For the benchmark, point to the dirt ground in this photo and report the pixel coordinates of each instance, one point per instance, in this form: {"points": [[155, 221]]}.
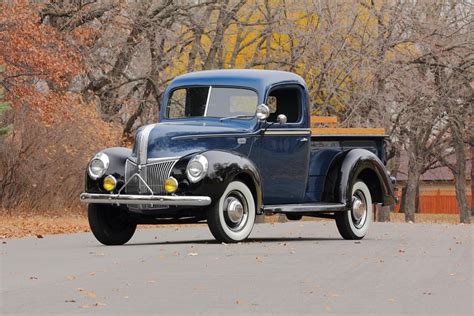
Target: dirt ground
{"points": [[22, 223]]}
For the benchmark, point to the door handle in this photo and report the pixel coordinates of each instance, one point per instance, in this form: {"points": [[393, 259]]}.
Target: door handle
{"points": [[304, 139]]}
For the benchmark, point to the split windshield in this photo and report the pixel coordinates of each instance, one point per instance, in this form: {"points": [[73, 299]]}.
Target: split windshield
{"points": [[210, 101]]}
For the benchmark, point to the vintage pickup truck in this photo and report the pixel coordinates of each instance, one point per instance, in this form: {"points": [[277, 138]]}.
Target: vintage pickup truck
{"points": [[232, 145]]}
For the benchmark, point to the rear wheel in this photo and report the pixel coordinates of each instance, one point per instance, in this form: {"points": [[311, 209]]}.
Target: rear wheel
{"points": [[355, 223], [231, 219], [110, 225]]}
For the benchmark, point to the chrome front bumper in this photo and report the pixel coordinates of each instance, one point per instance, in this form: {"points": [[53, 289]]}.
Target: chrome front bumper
{"points": [[145, 199]]}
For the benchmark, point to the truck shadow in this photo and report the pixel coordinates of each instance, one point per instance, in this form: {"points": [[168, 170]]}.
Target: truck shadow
{"points": [[248, 241]]}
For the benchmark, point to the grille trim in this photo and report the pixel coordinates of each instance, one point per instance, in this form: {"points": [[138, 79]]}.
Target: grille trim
{"points": [[153, 173]]}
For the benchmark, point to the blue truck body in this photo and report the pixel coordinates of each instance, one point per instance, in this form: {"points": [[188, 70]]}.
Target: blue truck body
{"points": [[286, 169]]}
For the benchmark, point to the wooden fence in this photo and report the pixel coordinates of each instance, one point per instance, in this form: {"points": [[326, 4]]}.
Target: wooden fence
{"points": [[437, 202]]}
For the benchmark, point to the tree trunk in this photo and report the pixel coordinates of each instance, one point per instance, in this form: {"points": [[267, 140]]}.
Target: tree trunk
{"points": [[459, 172], [383, 213], [411, 189], [472, 179], [403, 197]]}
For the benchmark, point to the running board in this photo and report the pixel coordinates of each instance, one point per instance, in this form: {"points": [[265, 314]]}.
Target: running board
{"points": [[305, 208]]}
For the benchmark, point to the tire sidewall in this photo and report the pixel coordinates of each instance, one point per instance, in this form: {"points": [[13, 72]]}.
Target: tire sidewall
{"points": [[361, 232], [103, 231], [247, 229]]}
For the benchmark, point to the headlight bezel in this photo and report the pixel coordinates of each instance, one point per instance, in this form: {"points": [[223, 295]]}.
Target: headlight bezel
{"points": [[196, 161], [104, 159]]}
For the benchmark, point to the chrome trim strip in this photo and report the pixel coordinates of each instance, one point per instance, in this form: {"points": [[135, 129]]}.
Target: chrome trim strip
{"points": [[274, 131], [154, 160], [305, 208], [215, 135], [288, 132], [142, 152], [145, 199], [207, 101]]}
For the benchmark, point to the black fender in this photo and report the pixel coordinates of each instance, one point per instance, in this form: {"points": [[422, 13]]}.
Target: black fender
{"points": [[117, 157], [358, 164], [224, 167]]}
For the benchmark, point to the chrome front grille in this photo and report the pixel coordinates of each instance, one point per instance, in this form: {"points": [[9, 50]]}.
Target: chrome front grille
{"points": [[153, 173]]}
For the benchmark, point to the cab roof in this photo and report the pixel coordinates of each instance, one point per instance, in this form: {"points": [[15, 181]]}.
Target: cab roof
{"points": [[259, 80]]}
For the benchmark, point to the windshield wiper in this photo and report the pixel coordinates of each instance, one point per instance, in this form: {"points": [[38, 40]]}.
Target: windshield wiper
{"points": [[235, 116]]}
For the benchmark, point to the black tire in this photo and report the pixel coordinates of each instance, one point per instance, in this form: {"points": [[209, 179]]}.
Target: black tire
{"points": [[354, 224], [231, 226], [294, 217], [110, 225]]}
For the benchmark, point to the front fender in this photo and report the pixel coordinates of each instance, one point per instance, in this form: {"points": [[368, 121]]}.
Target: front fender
{"points": [[117, 158], [354, 165], [224, 167]]}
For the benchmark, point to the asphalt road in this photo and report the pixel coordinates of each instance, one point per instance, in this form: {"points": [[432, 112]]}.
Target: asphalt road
{"points": [[291, 268]]}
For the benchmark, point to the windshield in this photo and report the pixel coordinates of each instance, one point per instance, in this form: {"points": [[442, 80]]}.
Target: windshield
{"points": [[212, 102]]}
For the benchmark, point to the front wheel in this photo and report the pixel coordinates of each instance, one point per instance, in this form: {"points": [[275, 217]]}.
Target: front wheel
{"points": [[231, 219], [355, 223], [110, 225]]}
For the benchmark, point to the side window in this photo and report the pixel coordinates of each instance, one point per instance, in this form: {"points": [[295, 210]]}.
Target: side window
{"points": [[285, 101], [177, 104], [272, 103]]}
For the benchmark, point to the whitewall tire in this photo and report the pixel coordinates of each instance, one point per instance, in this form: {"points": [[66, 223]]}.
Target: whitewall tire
{"points": [[354, 224], [232, 217]]}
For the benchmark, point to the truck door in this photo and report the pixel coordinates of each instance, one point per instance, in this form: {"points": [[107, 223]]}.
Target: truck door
{"points": [[285, 148]]}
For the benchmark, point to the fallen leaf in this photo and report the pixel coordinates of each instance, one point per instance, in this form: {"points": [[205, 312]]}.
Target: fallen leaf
{"points": [[192, 254], [238, 302]]}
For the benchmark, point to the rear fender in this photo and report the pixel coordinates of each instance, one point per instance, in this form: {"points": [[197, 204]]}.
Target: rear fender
{"points": [[351, 166]]}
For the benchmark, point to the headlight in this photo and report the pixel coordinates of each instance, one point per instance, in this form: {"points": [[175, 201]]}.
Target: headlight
{"points": [[98, 166], [197, 168]]}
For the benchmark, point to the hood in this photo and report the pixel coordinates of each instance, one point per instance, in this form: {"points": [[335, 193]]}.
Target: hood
{"points": [[180, 138]]}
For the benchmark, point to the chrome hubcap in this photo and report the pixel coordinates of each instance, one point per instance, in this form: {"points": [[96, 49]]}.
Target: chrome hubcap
{"points": [[359, 209], [235, 211]]}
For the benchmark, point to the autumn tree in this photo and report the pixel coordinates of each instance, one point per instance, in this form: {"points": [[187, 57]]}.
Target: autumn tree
{"points": [[52, 131]]}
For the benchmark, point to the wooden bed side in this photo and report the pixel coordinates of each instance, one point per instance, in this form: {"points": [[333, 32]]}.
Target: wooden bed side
{"points": [[331, 122], [346, 131]]}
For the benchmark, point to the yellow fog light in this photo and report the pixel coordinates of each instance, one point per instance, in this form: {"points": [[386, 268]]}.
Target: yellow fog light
{"points": [[110, 183], [171, 185]]}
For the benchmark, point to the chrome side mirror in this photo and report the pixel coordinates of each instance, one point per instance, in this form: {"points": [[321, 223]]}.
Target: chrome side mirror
{"points": [[282, 119], [263, 112]]}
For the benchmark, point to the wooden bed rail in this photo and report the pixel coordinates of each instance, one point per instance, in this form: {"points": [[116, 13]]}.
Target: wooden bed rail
{"points": [[318, 123]]}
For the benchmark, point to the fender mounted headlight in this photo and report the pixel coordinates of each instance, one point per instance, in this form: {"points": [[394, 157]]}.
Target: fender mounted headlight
{"points": [[197, 168], [98, 166]]}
